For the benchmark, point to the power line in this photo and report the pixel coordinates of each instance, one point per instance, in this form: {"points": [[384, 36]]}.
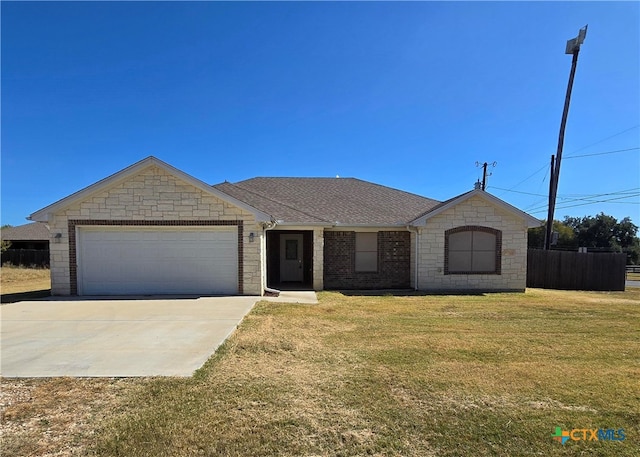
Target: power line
{"points": [[569, 200], [516, 191], [596, 201], [633, 190], [585, 155], [601, 153], [537, 208], [570, 196], [589, 199], [536, 204], [530, 176], [605, 139], [581, 204], [541, 209], [544, 177]]}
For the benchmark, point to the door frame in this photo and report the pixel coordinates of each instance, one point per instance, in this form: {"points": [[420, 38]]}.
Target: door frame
{"points": [[273, 259]]}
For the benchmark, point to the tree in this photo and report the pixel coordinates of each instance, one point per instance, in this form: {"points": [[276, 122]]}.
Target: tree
{"points": [[4, 244], [603, 231], [566, 237]]}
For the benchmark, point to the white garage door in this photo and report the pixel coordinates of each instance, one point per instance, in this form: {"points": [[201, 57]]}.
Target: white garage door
{"points": [[157, 260]]}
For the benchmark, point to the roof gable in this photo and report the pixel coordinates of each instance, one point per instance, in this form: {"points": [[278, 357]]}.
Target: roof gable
{"points": [[42, 215], [422, 220]]}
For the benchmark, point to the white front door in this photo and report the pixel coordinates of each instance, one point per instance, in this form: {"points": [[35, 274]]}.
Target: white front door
{"points": [[291, 258]]}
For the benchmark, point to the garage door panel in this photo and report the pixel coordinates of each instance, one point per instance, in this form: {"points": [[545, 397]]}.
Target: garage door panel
{"points": [[162, 261]]}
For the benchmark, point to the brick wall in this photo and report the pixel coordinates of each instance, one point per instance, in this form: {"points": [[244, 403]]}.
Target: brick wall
{"points": [[153, 197], [394, 262]]}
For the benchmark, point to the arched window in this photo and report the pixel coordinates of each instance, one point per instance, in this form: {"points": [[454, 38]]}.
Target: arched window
{"points": [[472, 250]]}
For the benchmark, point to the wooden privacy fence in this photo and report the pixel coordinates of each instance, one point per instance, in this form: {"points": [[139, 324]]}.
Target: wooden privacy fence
{"points": [[575, 271], [26, 257]]}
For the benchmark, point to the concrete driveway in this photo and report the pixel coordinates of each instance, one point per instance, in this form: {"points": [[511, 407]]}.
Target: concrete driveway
{"points": [[115, 337]]}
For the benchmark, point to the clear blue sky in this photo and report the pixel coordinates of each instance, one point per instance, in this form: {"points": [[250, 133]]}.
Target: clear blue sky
{"points": [[409, 95]]}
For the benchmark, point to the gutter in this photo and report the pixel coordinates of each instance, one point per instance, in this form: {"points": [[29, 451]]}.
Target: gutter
{"points": [[348, 225], [304, 224]]}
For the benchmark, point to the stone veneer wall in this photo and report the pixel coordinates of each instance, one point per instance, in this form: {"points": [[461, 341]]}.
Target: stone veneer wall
{"points": [[394, 257], [473, 212], [318, 259], [153, 197]]}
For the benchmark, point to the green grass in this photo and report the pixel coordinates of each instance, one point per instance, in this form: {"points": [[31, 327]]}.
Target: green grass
{"points": [[419, 375]]}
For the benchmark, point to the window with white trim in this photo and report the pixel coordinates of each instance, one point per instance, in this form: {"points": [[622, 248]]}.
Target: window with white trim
{"points": [[366, 251], [473, 250]]}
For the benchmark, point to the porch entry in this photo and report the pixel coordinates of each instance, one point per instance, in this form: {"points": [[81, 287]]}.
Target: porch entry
{"points": [[290, 259]]}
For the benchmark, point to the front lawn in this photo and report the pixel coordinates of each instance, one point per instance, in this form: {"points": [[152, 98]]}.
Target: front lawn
{"points": [[633, 276], [391, 375], [22, 279]]}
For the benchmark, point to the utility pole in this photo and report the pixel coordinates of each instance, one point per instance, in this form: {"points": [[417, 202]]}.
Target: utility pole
{"points": [[573, 47], [484, 172], [549, 227]]}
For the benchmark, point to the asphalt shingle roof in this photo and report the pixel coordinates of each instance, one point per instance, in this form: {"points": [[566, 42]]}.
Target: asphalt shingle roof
{"points": [[35, 231], [329, 200], [441, 204]]}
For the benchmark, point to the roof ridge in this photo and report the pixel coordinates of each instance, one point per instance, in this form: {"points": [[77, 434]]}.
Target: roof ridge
{"points": [[364, 200], [277, 201], [299, 177], [397, 190], [347, 177]]}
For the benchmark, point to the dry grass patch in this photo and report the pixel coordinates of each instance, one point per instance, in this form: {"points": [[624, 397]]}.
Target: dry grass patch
{"points": [[355, 375], [21, 279], [55, 417], [434, 375]]}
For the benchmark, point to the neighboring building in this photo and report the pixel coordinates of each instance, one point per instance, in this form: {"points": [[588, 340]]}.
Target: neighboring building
{"points": [[153, 229], [28, 236], [29, 245]]}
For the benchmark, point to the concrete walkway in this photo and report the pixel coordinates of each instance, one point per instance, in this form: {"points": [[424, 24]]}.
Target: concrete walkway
{"points": [[118, 337], [303, 297]]}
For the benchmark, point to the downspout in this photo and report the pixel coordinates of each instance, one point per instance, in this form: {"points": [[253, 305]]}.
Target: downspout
{"points": [[417, 250], [266, 226]]}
